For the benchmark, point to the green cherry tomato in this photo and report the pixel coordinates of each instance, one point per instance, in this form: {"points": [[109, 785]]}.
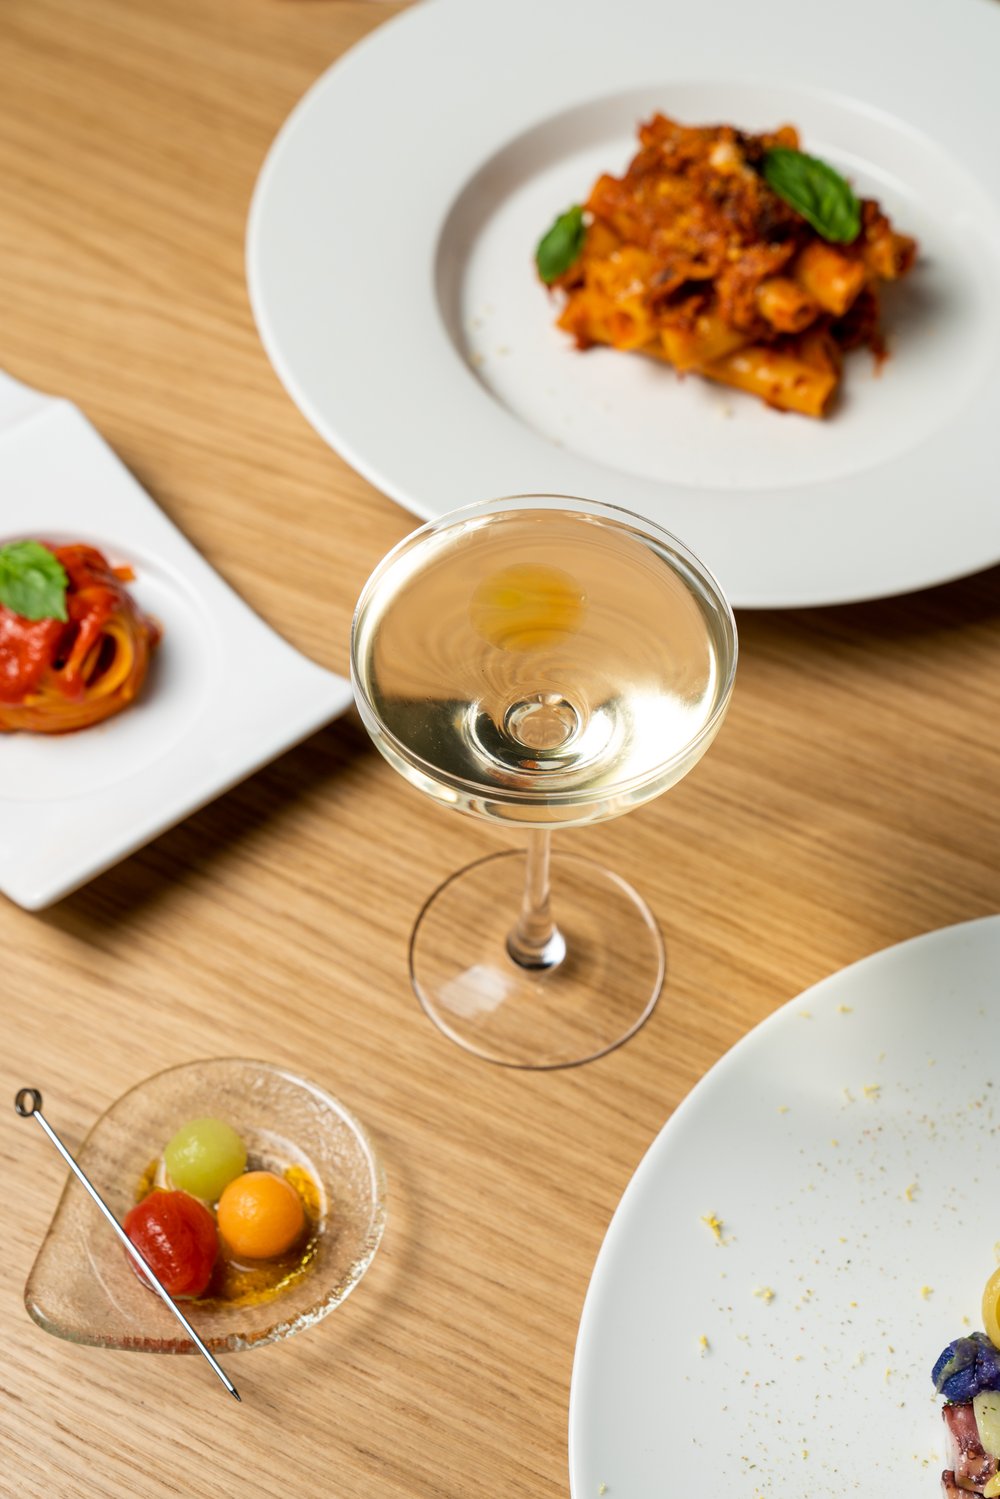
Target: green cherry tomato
{"points": [[203, 1158]]}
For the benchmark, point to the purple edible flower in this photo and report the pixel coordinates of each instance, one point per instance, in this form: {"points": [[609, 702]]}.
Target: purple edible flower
{"points": [[967, 1366]]}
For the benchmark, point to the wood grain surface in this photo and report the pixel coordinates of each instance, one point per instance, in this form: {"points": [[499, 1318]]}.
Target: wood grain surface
{"points": [[850, 801]]}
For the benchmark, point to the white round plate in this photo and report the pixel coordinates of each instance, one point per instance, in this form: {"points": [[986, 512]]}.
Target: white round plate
{"points": [[848, 1146], [390, 263]]}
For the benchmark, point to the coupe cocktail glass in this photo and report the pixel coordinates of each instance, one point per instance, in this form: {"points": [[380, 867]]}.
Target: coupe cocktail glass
{"points": [[541, 662]]}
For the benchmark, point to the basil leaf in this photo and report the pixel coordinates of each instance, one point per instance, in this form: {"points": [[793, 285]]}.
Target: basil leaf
{"points": [[815, 191], [558, 249], [32, 581]]}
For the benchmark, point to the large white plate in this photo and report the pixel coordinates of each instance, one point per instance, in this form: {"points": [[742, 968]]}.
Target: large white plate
{"points": [[849, 1146], [389, 255], [224, 695]]}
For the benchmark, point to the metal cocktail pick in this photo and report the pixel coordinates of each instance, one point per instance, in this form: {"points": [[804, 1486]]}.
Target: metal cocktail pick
{"points": [[28, 1103]]}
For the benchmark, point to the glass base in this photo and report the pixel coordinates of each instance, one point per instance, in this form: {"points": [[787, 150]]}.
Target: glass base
{"points": [[583, 1006]]}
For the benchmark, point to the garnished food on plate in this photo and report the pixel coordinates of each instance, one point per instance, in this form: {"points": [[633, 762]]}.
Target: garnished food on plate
{"points": [[74, 646], [730, 255], [967, 1374], [209, 1227]]}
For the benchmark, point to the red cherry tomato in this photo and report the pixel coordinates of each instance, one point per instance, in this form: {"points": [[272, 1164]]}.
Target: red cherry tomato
{"points": [[177, 1237]]}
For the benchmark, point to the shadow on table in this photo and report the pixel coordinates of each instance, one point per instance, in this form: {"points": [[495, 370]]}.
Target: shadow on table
{"points": [[929, 612], [327, 768], [209, 838]]}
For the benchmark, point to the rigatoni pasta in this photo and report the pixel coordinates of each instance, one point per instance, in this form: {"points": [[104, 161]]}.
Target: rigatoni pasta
{"points": [[730, 255]]}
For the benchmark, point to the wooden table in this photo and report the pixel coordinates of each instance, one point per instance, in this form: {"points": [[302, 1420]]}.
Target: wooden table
{"points": [[850, 801]]}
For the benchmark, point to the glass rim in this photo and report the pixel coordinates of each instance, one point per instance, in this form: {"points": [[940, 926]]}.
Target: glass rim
{"points": [[615, 514]]}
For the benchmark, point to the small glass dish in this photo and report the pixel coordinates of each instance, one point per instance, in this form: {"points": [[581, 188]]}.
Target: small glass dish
{"points": [[81, 1286]]}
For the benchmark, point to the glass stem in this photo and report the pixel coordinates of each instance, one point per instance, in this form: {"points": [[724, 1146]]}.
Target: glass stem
{"points": [[536, 941]]}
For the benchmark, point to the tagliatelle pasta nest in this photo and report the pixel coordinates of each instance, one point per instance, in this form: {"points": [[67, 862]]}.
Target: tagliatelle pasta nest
{"points": [[59, 673], [730, 255]]}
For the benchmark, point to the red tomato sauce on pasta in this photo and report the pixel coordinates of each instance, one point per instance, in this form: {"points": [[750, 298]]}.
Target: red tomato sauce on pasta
{"points": [[56, 675]]}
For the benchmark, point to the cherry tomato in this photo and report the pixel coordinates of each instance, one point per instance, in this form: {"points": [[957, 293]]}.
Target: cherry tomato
{"points": [[203, 1157], [260, 1216], [177, 1237]]}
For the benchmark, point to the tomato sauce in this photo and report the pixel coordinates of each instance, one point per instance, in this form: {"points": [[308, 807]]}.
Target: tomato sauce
{"points": [[51, 670]]}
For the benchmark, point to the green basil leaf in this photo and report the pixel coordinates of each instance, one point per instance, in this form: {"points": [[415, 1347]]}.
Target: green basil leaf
{"points": [[558, 249], [32, 581], [815, 191]]}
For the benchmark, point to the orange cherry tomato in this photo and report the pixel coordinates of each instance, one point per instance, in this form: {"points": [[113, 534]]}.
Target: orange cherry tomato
{"points": [[260, 1215]]}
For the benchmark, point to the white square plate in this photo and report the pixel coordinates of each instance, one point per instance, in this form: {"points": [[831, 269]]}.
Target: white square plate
{"points": [[224, 695]]}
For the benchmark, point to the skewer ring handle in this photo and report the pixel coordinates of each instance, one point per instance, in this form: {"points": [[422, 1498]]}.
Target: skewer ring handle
{"points": [[28, 1101]]}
